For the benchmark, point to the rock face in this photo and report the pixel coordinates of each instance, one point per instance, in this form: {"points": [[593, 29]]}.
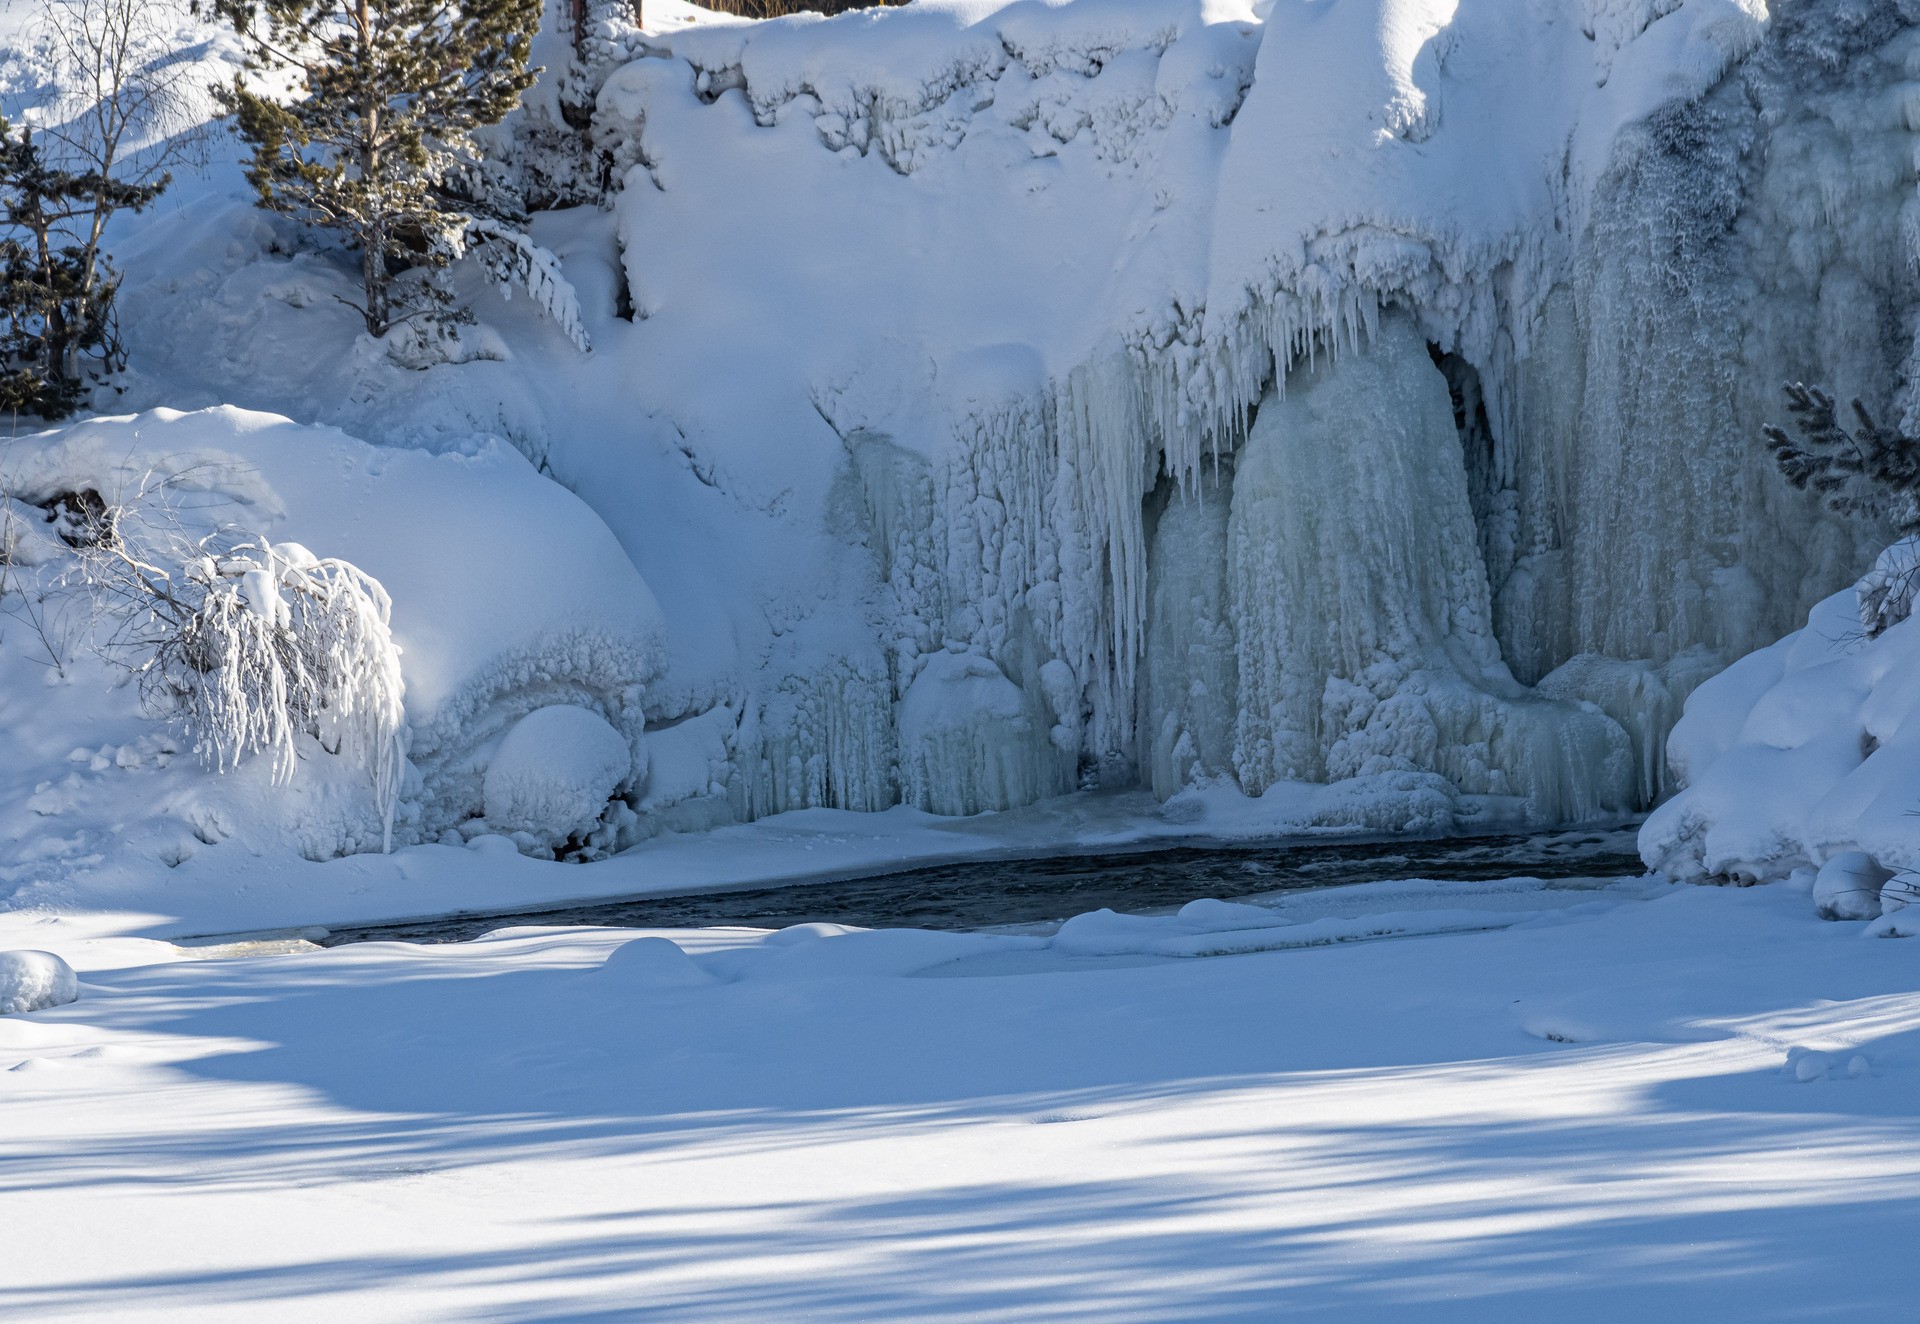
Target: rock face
{"points": [[33, 981]]}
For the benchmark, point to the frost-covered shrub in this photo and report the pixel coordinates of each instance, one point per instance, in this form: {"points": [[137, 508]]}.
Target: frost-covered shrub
{"points": [[248, 645], [1869, 473], [1885, 593]]}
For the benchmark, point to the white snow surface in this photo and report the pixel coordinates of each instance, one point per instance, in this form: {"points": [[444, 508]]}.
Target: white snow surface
{"points": [[1575, 1102]]}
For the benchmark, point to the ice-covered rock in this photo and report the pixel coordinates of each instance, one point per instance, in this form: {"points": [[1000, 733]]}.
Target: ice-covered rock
{"points": [[34, 980], [554, 772]]}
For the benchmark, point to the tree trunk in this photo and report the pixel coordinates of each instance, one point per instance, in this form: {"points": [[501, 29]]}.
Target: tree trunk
{"points": [[373, 239], [373, 272]]}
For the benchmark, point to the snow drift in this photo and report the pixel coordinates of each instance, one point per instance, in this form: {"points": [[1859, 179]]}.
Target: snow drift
{"points": [[1803, 755]]}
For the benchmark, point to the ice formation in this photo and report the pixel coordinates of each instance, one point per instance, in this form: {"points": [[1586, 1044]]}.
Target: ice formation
{"points": [[1364, 631], [1296, 394]]}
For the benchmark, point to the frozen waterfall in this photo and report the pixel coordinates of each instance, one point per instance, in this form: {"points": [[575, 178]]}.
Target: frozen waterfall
{"points": [[1256, 396]]}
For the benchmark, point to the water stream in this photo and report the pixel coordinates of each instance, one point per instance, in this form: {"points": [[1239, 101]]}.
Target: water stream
{"points": [[1003, 893]]}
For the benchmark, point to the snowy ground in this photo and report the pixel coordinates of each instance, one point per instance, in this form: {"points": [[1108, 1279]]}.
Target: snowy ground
{"points": [[1598, 1111]]}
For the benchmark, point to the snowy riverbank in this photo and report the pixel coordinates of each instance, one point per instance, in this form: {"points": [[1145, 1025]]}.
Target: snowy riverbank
{"points": [[1668, 1101]]}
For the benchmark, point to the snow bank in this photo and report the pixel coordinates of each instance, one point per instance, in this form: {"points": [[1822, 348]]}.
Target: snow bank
{"points": [[34, 981], [1803, 754], [508, 595]]}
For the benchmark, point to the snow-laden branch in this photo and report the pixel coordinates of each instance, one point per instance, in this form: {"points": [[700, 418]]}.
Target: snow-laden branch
{"points": [[512, 259]]}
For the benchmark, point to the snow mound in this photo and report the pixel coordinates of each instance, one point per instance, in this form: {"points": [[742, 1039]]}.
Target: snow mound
{"points": [[651, 963], [34, 981], [555, 772], [1848, 887]]}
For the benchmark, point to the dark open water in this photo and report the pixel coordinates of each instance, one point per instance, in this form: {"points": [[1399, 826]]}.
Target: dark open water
{"points": [[993, 893]]}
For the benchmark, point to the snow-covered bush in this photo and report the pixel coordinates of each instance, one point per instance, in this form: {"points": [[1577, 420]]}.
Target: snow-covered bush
{"points": [[247, 645]]}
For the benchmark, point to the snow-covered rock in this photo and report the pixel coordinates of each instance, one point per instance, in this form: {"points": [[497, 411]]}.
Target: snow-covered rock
{"points": [[554, 772], [34, 981], [1848, 887]]}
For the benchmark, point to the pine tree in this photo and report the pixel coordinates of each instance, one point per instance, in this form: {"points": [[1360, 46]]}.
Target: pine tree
{"points": [[377, 138], [1871, 472], [56, 283]]}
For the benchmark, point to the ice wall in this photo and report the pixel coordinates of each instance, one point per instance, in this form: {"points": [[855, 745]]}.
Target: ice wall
{"points": [[1270, 395]]}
